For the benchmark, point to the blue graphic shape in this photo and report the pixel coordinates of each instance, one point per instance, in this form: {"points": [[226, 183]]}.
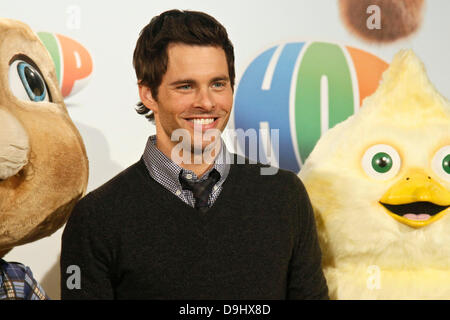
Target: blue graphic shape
{"points": [[254, 105]]}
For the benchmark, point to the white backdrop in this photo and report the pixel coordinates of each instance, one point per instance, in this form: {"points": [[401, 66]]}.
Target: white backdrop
{"points": [[115, 135]]}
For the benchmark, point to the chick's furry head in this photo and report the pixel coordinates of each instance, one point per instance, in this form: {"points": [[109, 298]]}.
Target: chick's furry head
{"points": [[409, 115]]}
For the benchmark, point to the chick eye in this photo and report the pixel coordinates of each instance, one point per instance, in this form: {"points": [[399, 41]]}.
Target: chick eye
{"points": [[441, 163], [381, 162], [26, 83], [446, 164]]}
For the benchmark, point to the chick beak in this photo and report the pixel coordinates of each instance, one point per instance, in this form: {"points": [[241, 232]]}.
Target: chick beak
{"points": [[416, 199]]}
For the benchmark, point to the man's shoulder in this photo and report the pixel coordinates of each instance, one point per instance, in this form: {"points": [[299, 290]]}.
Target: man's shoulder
{"points": [[106, 203], [260, 171], [125, 183], [274, 188], [262, 179]]}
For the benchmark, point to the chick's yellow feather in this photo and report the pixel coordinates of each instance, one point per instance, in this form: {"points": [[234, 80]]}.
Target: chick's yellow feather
{"points": [[370, 252]]}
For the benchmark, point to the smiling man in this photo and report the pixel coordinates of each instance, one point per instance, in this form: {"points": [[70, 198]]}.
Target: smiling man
{"points": [[189, 220], [195, 96]]}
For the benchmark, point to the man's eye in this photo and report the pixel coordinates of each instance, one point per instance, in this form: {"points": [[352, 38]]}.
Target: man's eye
{"points": [[218, 84], [184, 87]]}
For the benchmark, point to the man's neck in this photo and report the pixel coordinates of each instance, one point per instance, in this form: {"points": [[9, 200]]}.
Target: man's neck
{"points": [[198, 169]]}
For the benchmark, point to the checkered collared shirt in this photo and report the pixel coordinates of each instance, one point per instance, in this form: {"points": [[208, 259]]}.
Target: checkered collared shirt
{"points": [[17, 283], [166, 172]]}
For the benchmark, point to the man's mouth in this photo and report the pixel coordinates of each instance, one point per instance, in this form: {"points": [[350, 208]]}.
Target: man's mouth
{"points": [[202, 121], [416, 211]]}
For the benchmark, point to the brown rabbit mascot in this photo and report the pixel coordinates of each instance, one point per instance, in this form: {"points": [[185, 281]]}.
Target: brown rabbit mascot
{"points": [[43, 162]]}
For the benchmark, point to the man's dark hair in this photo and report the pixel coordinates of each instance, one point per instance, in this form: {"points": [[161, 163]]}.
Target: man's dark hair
{"points": [[150, 56]]}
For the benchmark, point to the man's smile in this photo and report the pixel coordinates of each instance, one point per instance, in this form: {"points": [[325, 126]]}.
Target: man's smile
{"points": [[203, 123]]}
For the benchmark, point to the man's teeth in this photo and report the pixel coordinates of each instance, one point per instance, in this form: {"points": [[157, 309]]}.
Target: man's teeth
{"points": [[202, 121]]}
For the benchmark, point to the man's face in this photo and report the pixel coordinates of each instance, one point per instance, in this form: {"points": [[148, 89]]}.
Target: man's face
{"points": [[195, 93]]}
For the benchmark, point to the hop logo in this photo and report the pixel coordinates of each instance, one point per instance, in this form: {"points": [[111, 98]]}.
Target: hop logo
{"points": [[303, 89], [73, 63]]}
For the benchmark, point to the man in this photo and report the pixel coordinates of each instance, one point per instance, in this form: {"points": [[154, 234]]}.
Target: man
{"points": [[174, 225]]}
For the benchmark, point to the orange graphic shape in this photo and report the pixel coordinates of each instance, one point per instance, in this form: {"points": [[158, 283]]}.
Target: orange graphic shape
{"points": [[77, 63], [369, 69]]}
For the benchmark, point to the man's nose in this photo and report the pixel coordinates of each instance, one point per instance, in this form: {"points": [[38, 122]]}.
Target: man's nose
{"points": [[205, 99]]}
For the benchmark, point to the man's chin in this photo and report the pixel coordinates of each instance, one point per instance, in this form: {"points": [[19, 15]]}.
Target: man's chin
{"points": [[204, 153], [205, 147], [204, 141]]}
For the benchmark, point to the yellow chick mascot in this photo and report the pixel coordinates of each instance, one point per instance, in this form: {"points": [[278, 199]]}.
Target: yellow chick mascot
{"points": [[43, 163], [379, 183]]}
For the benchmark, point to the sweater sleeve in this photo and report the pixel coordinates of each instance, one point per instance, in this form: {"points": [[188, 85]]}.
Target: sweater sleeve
{"points": [[306, 279], [85, 260]]}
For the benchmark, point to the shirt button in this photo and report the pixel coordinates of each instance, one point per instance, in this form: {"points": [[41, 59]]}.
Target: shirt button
{"points": [[178, 192], [189, 176]]}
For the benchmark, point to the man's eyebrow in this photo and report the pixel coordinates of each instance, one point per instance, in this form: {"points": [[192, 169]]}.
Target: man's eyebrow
{"points": [[220, 78], [181, 81], [192, 81]]}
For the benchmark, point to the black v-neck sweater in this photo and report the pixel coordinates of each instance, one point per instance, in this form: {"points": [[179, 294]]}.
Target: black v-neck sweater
{"points": [[133, 239]]}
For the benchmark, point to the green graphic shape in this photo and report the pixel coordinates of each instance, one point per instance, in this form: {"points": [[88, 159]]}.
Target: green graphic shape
{"points": [[52, 45], [321, 59]]}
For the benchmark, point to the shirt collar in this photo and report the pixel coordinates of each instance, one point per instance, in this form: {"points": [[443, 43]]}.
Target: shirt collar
{"points": [[166, 172]]}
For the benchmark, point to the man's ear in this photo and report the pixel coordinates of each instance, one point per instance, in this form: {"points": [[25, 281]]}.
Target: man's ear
{"points": [[147, 98]]}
